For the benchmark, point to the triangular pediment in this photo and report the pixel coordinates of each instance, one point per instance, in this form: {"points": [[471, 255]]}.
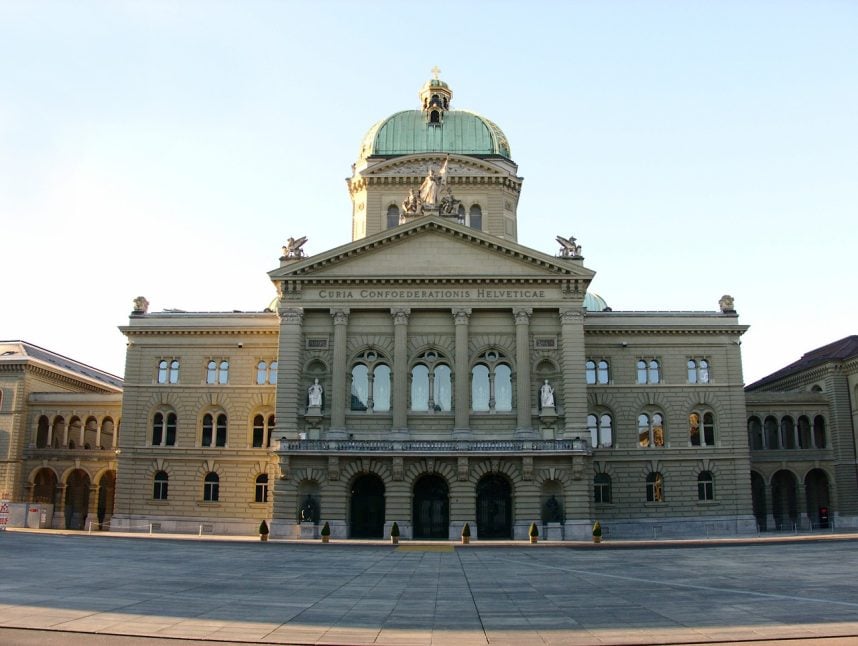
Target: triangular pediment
{"points": [[433, 248]]}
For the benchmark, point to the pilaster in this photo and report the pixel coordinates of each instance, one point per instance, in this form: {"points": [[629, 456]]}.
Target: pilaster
{"points": [[400, 370], [289, 362], [462, 402], [524, 426], [338, 378], [574, 386]]}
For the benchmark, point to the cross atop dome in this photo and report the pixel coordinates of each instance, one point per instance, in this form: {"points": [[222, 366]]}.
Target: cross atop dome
{"points": [[435, 72]]}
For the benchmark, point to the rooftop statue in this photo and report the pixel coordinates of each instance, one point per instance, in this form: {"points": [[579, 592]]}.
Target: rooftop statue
{"points": [[569, 247], [292, 249]]}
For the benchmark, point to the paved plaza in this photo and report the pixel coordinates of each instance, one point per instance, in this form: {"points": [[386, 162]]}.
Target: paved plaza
{"points": [[347, 593]]}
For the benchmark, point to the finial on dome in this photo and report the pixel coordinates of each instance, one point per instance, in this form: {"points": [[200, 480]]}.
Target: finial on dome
{"points": [[435, 72]]}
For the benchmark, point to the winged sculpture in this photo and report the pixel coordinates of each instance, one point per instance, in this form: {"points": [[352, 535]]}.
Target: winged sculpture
{"points": [[569, 248], [292, 249]]}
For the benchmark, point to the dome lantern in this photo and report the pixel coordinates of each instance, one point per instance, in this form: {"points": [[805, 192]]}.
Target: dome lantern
{"points": [[435, 97]]}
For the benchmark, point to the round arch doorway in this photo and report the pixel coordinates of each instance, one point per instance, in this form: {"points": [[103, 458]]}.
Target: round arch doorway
{"points": [[431, 508], [367, 507], [494, 507]]}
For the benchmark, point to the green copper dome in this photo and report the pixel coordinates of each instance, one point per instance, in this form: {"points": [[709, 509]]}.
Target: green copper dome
{"points": [[407, 133], [594, 303]]}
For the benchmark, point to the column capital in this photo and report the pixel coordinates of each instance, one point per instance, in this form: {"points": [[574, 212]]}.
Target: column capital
{"points": [[400, 315], [522, 315], [293, 315], [461, 315], [340, 316], [571, 316]]}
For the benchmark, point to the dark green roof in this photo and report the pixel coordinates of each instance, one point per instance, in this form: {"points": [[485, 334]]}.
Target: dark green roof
{"points": [[407, 133]]}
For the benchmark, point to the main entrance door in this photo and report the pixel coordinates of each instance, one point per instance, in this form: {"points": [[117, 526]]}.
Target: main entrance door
{"points": [[431, 508], [494, 507], [367, 507]]}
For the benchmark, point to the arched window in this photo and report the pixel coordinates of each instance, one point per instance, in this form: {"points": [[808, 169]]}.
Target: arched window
{"points": [[392, 216], [603, 374], [211, 372], [771, 428], [475, 217], [164, 429], [211, 487], [655, 487], [220, 437], [648, 371], [819, 432], [701, 428], [755, 434], [601, 430], [223, 372], [590, 372], [272, 373], [650, 430], [161, 484], [162, 371], [602, 494], [420, 387], [262, 429], [705, 486], [261, 373], [804, 436], [370, 383], [491, 383], [261, 490], [787, 432], [597, 372], [42, 433], [214, 430], [431, 383], [461, 214], [698, 371], [217, 372]]}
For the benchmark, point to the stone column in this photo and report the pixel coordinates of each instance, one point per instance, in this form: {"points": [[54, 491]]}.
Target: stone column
{"points": [[289, 371], [400, 371], [338, 379], [524, 427], [462, 375], [572, 358]]}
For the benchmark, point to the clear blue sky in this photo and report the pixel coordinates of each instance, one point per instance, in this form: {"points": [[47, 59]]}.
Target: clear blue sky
{"points": [[168, 149]]}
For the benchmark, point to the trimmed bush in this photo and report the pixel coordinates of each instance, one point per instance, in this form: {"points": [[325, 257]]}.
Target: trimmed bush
{"points": [[394, 530], [263, 528], [326, 530], [534, 530], [466, 530]]}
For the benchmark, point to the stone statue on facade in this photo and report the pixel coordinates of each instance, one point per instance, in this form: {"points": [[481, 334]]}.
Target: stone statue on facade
{"points": [[569, 248], [308, 510], [412, 204], [546, 395], [292, 248], [141, 305], [726, 304], [314, 394]]}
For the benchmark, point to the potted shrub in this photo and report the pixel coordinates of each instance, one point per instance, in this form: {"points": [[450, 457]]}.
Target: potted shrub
{"points": [[466, 534], [326, 532], [533, 532], [263, 531], [394, 533], [597, 532]]}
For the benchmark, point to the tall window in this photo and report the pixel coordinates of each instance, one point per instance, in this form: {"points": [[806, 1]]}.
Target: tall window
{"points": [[475, 217], [787, 432], [261, 491], [262, 429], [164, 429], [597, 372], [266, 373], [705, 486], [770, 426], [602, 489], [698, 371], [601, 430], [491, 383], [701, 428], [431, 383], [370, 383], [168, 371], [648, 371], [161, 483], [655, 487], [211, 487], [819, 432], [214, 430], [755, 434], [650, 430], [217, 372], [392, 216]]}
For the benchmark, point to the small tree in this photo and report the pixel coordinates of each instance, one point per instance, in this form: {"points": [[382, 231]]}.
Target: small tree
{"points": [[263, 528], [533, 532], [597, 532], [466, 531], [394, 530], [326, 529]]}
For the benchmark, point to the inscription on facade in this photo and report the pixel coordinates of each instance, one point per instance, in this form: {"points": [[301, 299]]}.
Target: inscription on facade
{"points": [[432, 294]]}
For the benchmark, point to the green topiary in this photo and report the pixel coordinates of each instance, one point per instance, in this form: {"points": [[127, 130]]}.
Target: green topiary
{"points": [[263, 528], [394, 530], [534, 530], [326, 529], [466, 530], [597, 529]]}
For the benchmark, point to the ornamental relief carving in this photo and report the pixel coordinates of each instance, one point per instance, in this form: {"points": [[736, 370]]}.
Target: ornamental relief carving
{"points": [[421, 168]]}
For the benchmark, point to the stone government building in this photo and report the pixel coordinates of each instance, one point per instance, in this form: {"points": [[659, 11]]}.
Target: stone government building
{"points": [[433, 372]]}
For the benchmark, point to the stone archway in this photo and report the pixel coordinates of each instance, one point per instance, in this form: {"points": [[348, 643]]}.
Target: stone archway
{"points": [[818, 498], [77, 499], [494, 507], [758, 499], [45, 487], [431, 508], [106, 493], [366, 517], [784, 499]]}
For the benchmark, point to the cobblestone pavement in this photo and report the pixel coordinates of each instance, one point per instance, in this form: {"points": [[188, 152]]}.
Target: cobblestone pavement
{"points": [[421, 594]]}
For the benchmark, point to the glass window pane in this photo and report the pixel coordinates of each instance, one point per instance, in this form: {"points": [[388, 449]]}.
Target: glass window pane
{"points": [[272, 373], [692, 372], [641, 373], [503, 387], [593, 427], [590, 372], [360, 387], [476, 217], [381, 388], [606, 431], [643, 430], [171, 430], [658, 429], [480, 387], [704, 371], [420, 388], [211, 372], [223, 374], [653, 376], [443, 388], [604, 374], [208, 429], [174, 372], [162, 372], [261, 372]]}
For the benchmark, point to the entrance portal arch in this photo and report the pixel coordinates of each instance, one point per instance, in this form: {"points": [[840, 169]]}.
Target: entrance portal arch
{"points": [[366, 517], [431, 508], [77, 499], [494, 507]]}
